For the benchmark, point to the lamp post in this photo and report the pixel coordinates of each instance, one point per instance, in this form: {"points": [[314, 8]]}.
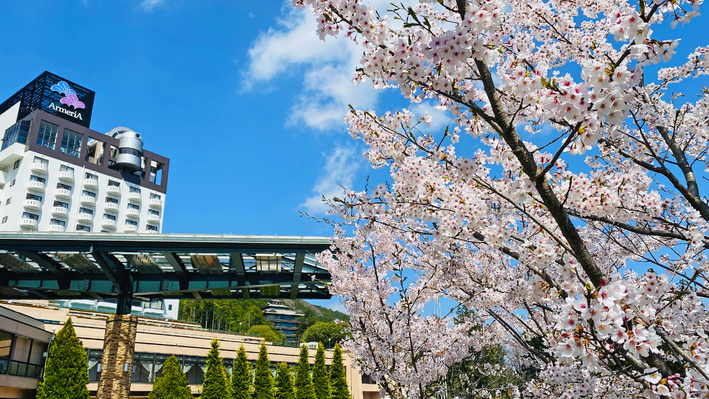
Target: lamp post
{"points": [[328, 343], [239, 327]]}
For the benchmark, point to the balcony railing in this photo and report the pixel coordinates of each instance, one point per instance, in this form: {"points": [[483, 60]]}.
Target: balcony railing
{"points": [[20, 369]]}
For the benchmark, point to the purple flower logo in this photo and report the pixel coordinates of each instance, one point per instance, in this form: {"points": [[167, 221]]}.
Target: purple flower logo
{"points": [[70, 97]]}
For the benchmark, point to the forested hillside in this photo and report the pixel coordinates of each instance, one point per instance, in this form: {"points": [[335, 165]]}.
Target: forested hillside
{"points": [[243, 315]]}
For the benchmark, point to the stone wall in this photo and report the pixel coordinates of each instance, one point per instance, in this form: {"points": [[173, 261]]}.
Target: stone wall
{"points": [[117, 360]]}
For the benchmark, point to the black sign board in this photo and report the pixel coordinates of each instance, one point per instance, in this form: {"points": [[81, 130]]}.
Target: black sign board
{"points": [[55, 95]]}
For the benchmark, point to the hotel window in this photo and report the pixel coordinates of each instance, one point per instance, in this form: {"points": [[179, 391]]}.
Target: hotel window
{"points": [[133, 206], [63, 186], [61, 204], [133, 189], [109, 217], [47, 136], [16, 133], [150, 228], [91, 176], [16, 165], [81, 227], [12, 183], [57, 222], [111, 200], [85, 210], [153, 212], [8, 201], [37, 178], [41, 160], [154, 196], [4, 220], [71, 143], [113, 183], [27, 215], [88, 193], [63, 168], [131, 222], [34, 197]]}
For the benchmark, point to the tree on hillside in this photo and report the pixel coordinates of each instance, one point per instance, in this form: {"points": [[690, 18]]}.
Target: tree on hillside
{"points": [[241, 378], [327, 333], [173, 382], [216, 384], [321, 379], [303, 382], [67, 372], [268, 333], [223, 314], [284, 382], [564, 204], [263, 380], [338, 378]]}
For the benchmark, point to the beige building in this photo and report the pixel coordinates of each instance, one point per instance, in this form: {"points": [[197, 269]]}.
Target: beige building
{"points": [[155, 341]]}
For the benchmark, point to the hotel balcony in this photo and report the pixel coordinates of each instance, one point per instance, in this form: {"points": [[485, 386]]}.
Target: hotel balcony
{"points": [[57, 227], [113, 191], [91, 182], [110, 207], [63, 193], [155, 202], [29, 223], [87, 200], [32, 204], [85, 217], [132, 213], [60, 211], [39, 167], [154, 219], [108, 223], [133, 196], [129, 228], [35, 185], [66, 175]]}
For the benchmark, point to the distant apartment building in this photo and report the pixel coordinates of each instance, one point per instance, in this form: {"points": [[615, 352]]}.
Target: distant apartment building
{"points": [[283, 318], [57, 175]]}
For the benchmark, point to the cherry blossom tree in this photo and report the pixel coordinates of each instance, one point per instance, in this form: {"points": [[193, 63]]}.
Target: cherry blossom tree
{"points": [[569, 221]]}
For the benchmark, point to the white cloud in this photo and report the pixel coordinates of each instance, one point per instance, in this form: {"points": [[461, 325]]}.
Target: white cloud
{"points": [[340, 169], [327, 70], [251, 15], [149, 5]]}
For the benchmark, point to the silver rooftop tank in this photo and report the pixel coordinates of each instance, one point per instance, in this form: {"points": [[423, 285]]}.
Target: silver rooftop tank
{"points": [[130, 148]]}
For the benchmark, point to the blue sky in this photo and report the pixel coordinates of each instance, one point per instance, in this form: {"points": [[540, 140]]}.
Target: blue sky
{"points": [[243, 98]]}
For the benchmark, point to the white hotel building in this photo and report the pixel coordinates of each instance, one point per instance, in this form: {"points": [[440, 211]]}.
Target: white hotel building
{"points": [[58, 175]]}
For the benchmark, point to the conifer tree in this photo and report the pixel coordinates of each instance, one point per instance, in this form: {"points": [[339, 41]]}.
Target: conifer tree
{"points": [[67, 372], [173, 383], [241, 378], [263, 380], [321, 379], [216, 384], [284, 382], [303, 383], [338, 379]]}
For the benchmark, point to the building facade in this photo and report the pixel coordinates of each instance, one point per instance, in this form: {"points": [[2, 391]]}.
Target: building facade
{"points": [[284, 319], [56, 174], [23, 344], [156, 340]]}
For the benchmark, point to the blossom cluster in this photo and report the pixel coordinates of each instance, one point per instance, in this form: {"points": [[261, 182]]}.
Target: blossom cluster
{"points": [[567, 225]]}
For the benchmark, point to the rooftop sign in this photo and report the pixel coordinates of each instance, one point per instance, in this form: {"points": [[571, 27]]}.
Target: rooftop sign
{"points": [[55, 95]]}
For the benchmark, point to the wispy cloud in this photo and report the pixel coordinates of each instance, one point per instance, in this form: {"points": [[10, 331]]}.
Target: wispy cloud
{"points": [[439, 119], [340, 169], [327, 70], [149, 5]]}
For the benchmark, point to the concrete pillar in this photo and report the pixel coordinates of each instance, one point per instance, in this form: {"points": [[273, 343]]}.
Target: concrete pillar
{"points": [[117, 360]]}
